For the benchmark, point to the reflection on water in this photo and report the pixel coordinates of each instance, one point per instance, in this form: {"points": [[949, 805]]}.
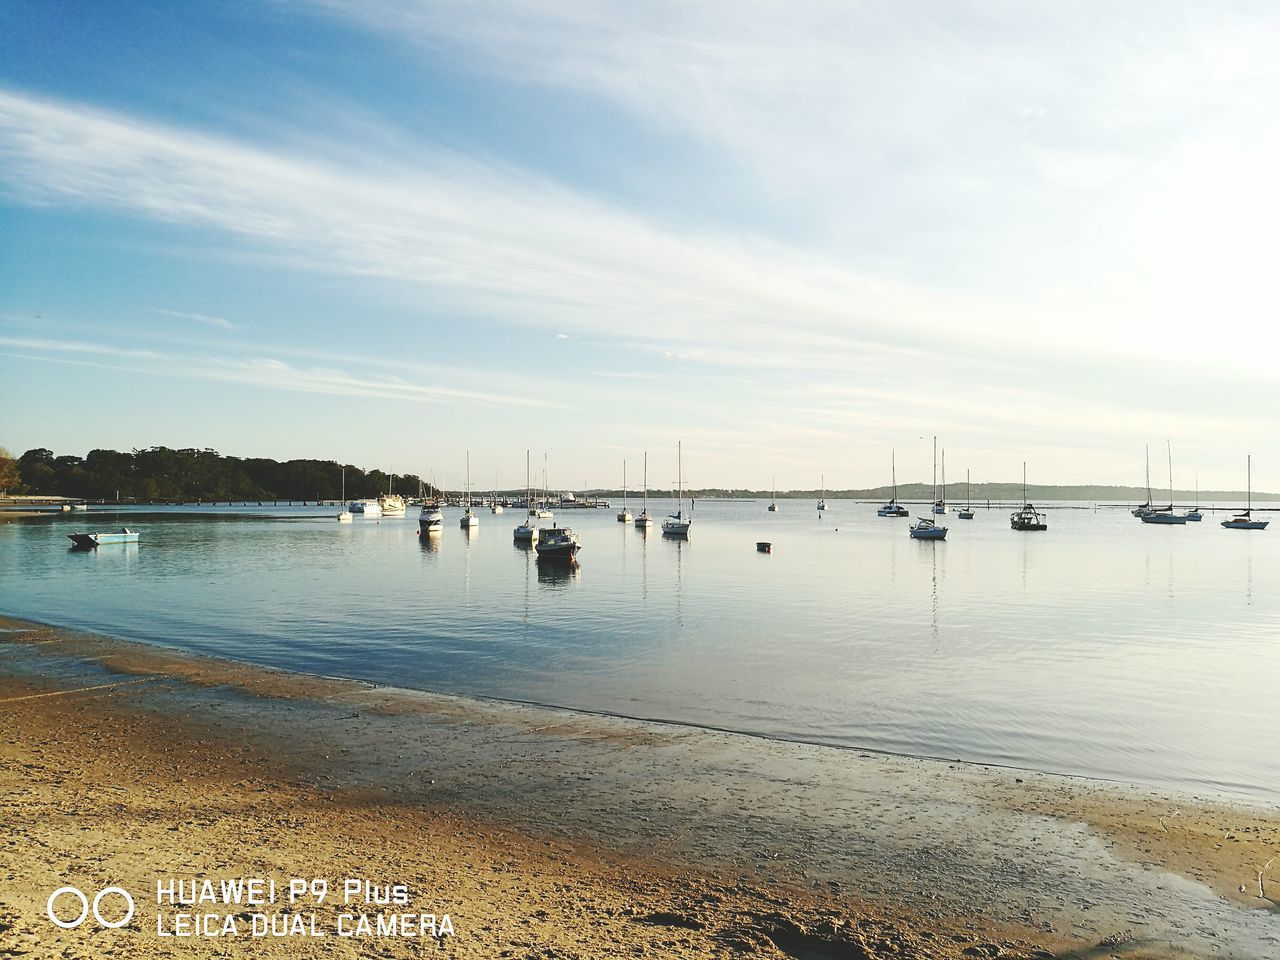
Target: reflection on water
{"points": [[1103, 646]]}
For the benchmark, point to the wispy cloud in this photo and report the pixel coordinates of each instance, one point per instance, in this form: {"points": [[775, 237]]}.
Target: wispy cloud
{"points": [[264, 372], [222, 322]]}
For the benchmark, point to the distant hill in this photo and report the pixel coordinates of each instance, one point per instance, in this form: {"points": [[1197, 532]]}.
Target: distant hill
{"points": [[979, 493]]}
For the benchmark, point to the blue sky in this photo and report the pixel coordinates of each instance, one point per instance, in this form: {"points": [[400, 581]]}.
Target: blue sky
{"points": [[793, 236]]}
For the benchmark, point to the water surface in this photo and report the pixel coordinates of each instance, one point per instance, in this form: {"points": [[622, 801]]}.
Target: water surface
{"points": [[1102, 647]]}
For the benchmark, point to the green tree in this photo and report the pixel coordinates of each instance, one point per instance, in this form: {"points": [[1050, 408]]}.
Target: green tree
{"points": [[10, 478]]}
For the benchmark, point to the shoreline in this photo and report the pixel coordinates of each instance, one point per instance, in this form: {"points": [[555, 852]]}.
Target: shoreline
{"points": [[931, 848]]}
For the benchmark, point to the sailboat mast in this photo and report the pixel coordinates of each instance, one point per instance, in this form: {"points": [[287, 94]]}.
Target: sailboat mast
{"points": [[893, 467], [646, 481], [935, 469], [624, 485], [1168, 446], [1249, 483]]}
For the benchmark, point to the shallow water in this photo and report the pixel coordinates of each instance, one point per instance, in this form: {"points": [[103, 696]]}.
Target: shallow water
{"points": [[1102, 647]]}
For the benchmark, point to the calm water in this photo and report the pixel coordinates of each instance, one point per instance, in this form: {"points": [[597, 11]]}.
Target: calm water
{"points": [[1103, 646]]}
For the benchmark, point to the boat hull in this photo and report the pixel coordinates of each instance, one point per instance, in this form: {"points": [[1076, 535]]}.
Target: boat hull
{"points": [[892, 511], [1245, 524], [929, 533], [90, 541], [1165, 518]]}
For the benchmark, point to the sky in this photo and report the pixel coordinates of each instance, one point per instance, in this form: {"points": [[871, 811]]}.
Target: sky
{"points": [[793, 236]]}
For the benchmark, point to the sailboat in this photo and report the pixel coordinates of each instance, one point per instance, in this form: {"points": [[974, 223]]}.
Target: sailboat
{"points": [[543, 510], [1165, 514], [1028, 518], [469, 519], [494, 506], [1194, 513], [773, 504], [925, 528], [644, 521], [940, 505], [893, 508], [822, 497], [677, 524], [392, 504], [1244, 520], [344, 515], [624, 515], [1143, 509], [967, 512], [526, 532]]}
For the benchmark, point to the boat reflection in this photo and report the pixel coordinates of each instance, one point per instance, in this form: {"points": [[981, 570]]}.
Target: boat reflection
{"points": [[557, 573]]}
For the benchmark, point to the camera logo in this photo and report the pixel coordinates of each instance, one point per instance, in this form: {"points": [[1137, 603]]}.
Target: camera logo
{"points": [[85, 907]]}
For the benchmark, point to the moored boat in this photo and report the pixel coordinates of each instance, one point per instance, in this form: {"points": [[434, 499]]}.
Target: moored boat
{"points": [[967, 512], [93, 540], [645, 521], [366, 508], [469, 519], [391, 505], [556, 543], [526, 532], [624, 515], [677, 524], [1244, 519], [1028, 518], [892, 508], [925, 528]]}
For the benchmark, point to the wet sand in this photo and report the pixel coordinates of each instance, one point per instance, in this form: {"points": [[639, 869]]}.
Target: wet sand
{"points": [[550, 833]]}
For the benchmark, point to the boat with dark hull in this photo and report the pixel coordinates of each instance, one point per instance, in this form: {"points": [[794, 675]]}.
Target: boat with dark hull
{"points": [[91, 541]]}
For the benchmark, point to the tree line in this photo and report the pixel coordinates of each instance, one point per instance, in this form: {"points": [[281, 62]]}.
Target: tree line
{"points": [[162, 473]]}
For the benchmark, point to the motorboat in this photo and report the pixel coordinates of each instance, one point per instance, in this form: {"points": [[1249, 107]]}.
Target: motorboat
{"points": [[90, 541], [556, 543], [430, 519], [366, 508]]}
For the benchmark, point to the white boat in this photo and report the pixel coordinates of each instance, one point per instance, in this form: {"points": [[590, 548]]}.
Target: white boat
{"points": [[1028, 518], [494, 506], [677, 524], [94, 540], [366, 508], [1194, 515], [79, 506], [431, 518], [644, 521], [893, 508], [542, 510], [392, 504], [1244, 520], [940, 505], [1165, 515], [526, 532], [556, 543], [344, 515], [926, 528], [1144, 509], [469, 519], [624, 515], [967, 512]]}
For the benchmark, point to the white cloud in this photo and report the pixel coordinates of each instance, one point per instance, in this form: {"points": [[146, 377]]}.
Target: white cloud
{"points": [[222, 322]]}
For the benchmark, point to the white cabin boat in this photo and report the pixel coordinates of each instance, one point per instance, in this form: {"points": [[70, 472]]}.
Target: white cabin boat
{"points": [[368, 509]]}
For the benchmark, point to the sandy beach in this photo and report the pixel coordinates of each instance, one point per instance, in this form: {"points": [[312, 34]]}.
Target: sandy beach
{"points": [[545, 833]]}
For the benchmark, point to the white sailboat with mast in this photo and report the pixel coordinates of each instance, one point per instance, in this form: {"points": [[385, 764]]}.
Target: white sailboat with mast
{"points": [[469, 519], [822, 495], [344, 515], [624, 515], [644, 521], [773, 504], [677, 524], [1143, 509]]}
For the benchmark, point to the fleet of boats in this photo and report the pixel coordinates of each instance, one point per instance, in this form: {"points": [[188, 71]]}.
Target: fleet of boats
{"points": [[561, 543]]}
